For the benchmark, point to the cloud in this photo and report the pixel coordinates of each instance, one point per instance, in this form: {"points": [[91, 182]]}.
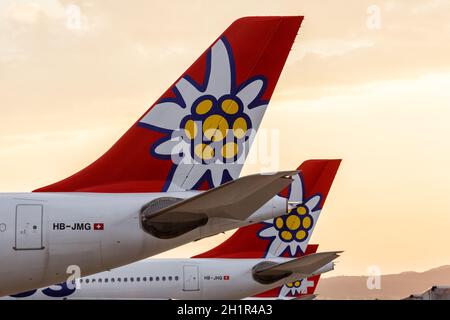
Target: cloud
{"points": [[29, 12], [413, 40]]}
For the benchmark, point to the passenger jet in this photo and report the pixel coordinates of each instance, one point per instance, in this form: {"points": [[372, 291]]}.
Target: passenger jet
{"points": [[251, 263]]}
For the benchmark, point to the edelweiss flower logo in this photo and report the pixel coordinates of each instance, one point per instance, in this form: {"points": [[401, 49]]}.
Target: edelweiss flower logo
{"points": [[297, 287], [296, 225], [216, 129], [292, 231], [208, 126]]}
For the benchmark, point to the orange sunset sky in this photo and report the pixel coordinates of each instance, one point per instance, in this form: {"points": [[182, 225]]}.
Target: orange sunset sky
{"points": [[366, 81]]}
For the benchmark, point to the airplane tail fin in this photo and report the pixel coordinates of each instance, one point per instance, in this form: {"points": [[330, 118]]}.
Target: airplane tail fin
{"points": [[285, 236], [198, 133]]}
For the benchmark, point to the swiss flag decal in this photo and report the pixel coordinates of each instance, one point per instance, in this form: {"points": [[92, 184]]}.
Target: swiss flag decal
{"points": [[226, 277], [99, 226]]}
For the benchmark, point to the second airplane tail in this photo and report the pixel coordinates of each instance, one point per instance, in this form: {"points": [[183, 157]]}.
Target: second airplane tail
{"points": [[285, 236]]}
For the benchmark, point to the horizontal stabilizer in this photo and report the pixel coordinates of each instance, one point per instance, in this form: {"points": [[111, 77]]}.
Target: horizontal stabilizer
{"points": [[304, 267], [236, 200]]}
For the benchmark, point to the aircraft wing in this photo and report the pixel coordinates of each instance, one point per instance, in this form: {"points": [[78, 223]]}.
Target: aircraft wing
{"points": [[236, 200], [269, 272]]}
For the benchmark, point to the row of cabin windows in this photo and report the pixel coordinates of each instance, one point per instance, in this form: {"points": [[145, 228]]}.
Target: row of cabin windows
{"points": [[132, 279]]}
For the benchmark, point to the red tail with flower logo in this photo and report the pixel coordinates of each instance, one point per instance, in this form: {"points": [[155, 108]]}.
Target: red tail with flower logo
{"points": [[286, 236], [197, 135]]}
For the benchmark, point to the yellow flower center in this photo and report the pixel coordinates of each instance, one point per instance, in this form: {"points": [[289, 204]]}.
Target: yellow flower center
{"points": [[300, 235], [286, 235], [293, 222], [190, 129], [230, 150], [301, 210], [306, 222], [230, 106], [204, 106], [296, 284], [239, 128], [204, 151], [215, 127], [214, 121], [295, 225], [279, 222]]}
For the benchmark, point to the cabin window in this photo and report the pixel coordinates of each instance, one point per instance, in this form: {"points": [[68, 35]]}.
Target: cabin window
{"points": [[125, 279], [100, 280], [157, 278], [138, 279], [176, 278], [170, 278], [106, 279], [144, 279]]}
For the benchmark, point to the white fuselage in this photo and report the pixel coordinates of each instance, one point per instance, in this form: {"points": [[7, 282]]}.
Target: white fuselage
{"points": [[169, 279], [42, 234]]}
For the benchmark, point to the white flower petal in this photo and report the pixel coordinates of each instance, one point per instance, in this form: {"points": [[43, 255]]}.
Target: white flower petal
{"points": [[216, 175], [268, 232], [276, 248], [219, 82], [296, 194], [249, 93], [293, 247], [234, 169], [313, 202], [315, 214], [188, 92], [179, 176], [169, 147], [302, 245], [284, 291], [193, 174], [256, 114], [166, 115]]}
